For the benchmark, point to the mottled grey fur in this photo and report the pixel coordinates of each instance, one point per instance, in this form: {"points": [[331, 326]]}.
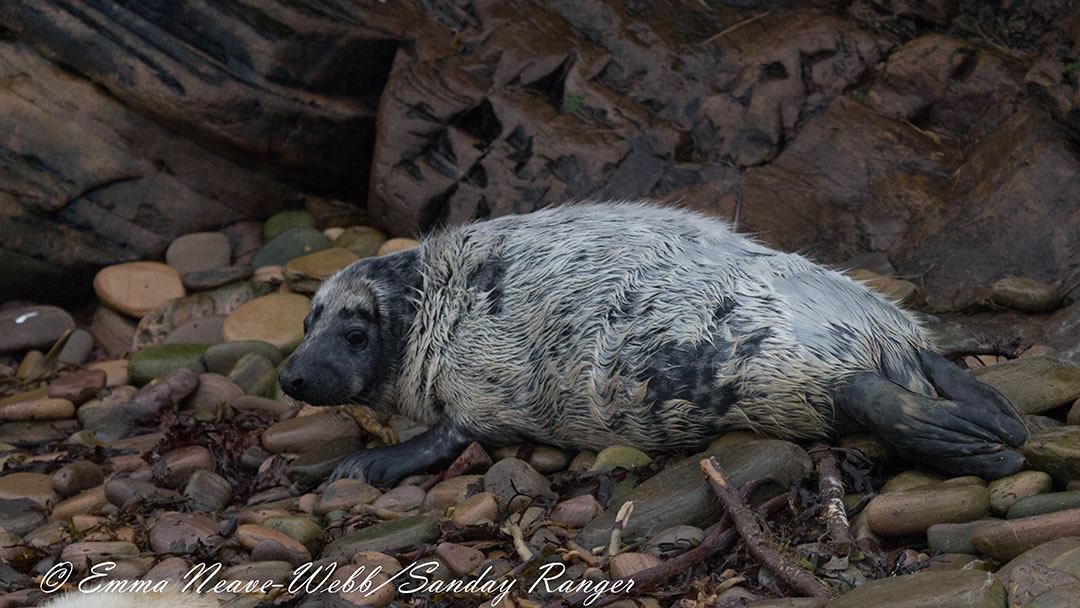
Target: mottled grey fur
{"points": [[588, 325]]}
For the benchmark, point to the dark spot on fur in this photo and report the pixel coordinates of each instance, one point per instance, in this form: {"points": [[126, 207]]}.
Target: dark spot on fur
{"points": [[751, 345], [725, 308], [687, 372], [487, 280]]}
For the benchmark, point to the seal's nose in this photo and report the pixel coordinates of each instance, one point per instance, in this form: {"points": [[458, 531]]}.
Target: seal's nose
{"points": [[290, 382]]}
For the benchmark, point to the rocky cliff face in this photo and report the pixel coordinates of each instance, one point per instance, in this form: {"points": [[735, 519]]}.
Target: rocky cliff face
{"points": [[937, 135]]}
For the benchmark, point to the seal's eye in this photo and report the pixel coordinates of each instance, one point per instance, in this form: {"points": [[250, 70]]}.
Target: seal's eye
{"points": [[356, 338]]}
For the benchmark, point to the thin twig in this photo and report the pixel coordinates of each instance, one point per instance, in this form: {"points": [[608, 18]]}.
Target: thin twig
{"points": [[728, 30], [757, 545], [615, 544], [831, 488]]}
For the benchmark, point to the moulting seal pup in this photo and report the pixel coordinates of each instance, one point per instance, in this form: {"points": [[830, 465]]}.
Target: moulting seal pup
{"points": [[589, 325]]}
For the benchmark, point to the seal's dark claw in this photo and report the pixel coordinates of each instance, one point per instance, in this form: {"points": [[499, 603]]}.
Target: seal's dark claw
{"points": [[384, 467]]}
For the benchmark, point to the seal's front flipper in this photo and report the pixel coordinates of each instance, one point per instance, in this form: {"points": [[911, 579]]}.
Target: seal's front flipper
{"points": [[947, 434], [386, 466]]}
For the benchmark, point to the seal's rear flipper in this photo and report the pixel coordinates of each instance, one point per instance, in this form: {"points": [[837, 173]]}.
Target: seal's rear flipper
{"points": [[969, 434], [385, 466]]}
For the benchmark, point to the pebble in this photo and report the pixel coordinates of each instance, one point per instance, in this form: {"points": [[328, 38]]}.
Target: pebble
{"points": [[1025, 295], [582, 462], [1033, 384], [289, 245], [952, 538], [96, 552], [20, 516], [396, 245], [1029, 581], [364, 241], [1007, 539], [254, 374], [75, 477], [262, 407], [616, 456], [914, 511], [1073, 417], [674, 541], [48, 536], [207, 491], [1064, 596], [904, 292], [871, 446], [277, 319], [460, 559], [136, 288], [77, 348], [910, 480], [297, 434], [28, 434], [183, 532], [343, 494], [333, 233], [204, 330], [943, 589], [1006, 491], [318, 459], [402, 499], [157, 360], [78, 386], [379, 596], [221, 358], [32, 327], [215, 393], [171, 570], [250, 535], [274, 572], [113, 331], [513, 482], [304, 274], [301, 529], [213, 278], [1044, 503], [679, 494], [476, 509], [454, 491], [284, 220], [179, 465], [32, 486], [1037, 424], [625, 565], [576, 512], [87, 502], [30, 367], [199, 251], [39, 409], [1057, 452], [124, 492], [390, 536]]}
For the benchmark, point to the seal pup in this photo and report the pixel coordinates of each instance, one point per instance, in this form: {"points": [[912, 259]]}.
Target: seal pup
{"points": [[594, 324]]}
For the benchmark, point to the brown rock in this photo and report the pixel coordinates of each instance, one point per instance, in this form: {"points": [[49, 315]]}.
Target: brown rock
{"points": [[448, 493], [34, 486], [577, 511], [78, 386], [395, 245], [136, 288], [625, 565], [199, 251], [343, 494], [113, 331], [277, 318], [250, 535], [478, 508], [75, 477], [460, 559], [38, 409], [914, 511], [1006, 539]]}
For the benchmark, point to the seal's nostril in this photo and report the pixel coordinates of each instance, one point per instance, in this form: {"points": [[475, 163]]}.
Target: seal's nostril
{"points": [[297, 383]]}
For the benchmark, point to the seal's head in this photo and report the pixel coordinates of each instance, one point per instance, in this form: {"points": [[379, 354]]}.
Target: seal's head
{"points": [[354, 336]]}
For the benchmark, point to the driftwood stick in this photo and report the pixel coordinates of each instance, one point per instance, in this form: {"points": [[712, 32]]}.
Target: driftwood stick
{"points": [[831, 488], [720, 539], [757, 545]]}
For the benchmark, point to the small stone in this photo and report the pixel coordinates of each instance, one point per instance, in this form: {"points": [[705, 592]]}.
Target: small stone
{"points": [[1033, 384], [871, 446], [289, 245], [1063, 596], [306, 273], [183, 532], [674, 541], [207, 491], [910, 480], [262, 407], [476, 509], [32, 327], [274, 275], [180, 464], [904, 292], [214, 394], [513, 481], [125, 492], [213, 278], [277, 318], [87, 502], [1007, 539], [254, 374], [582, 462], [952, 538], [249, 535], [576, 512], [301, 529], [221, 358], [402, 499], [77, 349], [1073, 417], [136, 288], [75, 477], [396, 245], [943, 589], [1056, 452], [78, 386], [171, 570], [1025, 295], [297, 434], [285, 220], [1038, 424], [1006, 491], [619, 456], [113, 331], [115, 372], [333, 232], [364, 241], [319, 459], [1044, 503], [97, 552], [277, 572], [160, 359], [32, 433], [199, 251], [39, 409], [460, 559], [1043, 554], [394, 536], [205, 330], [625, 565], [30, 368], [32, 486], [245, 238], [20, 516], [343, 494], [446, 494], [914, 511]]}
